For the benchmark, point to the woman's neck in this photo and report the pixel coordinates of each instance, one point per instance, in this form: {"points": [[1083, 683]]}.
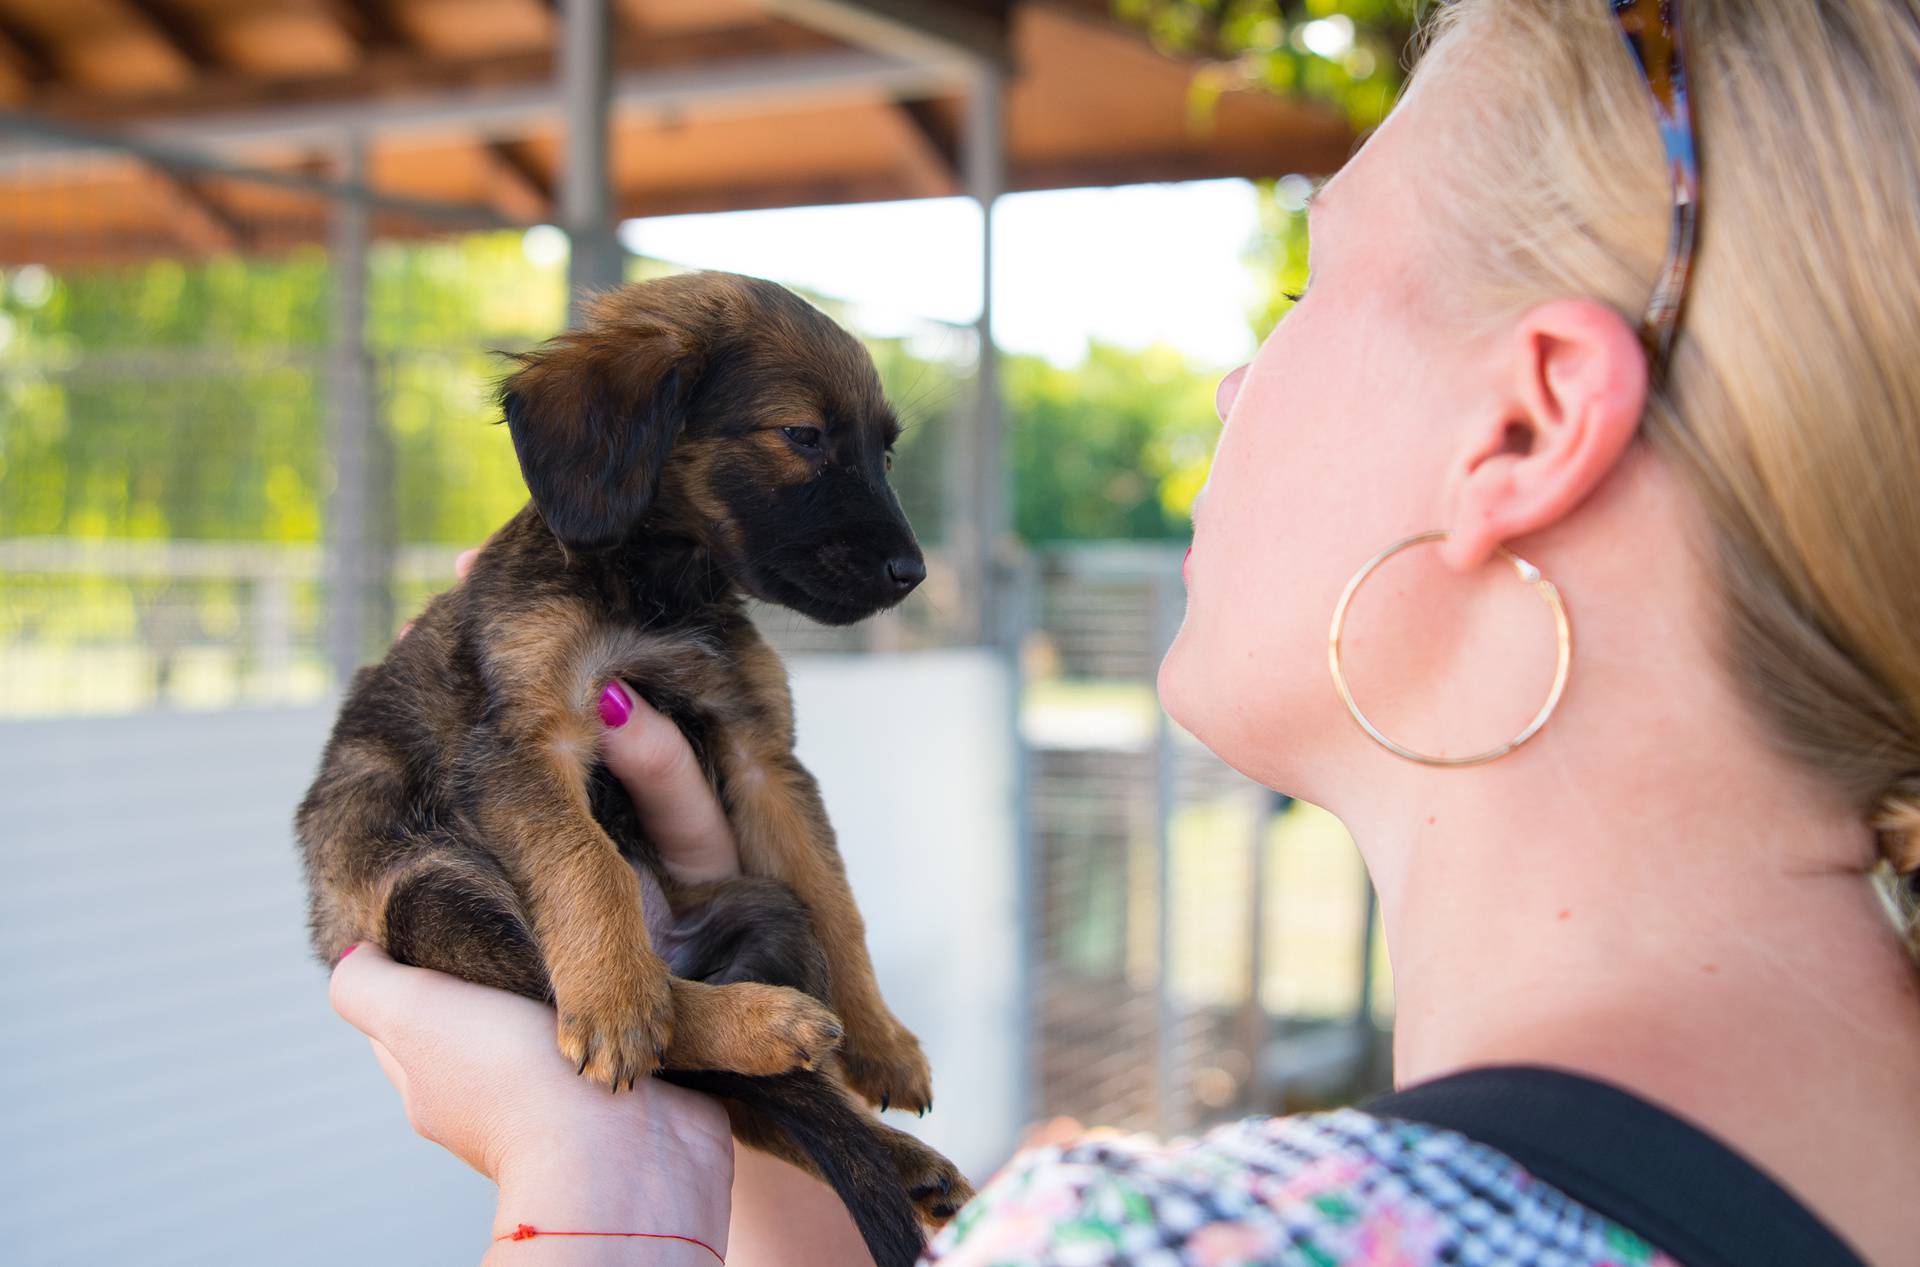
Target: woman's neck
{"points": [[1675, 913]]}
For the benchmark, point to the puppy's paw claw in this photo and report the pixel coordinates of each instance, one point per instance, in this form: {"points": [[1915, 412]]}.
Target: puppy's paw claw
{"points": [[934, 1185], [891, 1072], [616, 1035], [768, 1030]]}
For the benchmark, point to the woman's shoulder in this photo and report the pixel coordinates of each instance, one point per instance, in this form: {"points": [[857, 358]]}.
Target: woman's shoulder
{"points": [[1317, 1189]]}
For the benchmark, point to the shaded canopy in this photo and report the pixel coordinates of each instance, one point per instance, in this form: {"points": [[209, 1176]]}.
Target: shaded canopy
{"points": [[718, 105]]}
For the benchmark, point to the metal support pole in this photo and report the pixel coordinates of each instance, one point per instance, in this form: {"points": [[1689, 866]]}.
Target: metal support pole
{"points": [[1254, 1029], [359, 528], [995, 585], [1168, 604], [586, 186], [1363, 1006], [983, 549], [1029, 865]]}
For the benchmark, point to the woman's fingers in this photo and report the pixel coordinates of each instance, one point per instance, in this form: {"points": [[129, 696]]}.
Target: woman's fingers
{"points": [[389, 1066], [371, 991], [669, 790]]}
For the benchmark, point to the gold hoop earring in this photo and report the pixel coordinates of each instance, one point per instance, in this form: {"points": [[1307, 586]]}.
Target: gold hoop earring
{"points": [[1528, 573]]}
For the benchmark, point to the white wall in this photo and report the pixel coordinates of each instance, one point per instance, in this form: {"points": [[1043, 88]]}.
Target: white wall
{"points": [[173, 1087]]}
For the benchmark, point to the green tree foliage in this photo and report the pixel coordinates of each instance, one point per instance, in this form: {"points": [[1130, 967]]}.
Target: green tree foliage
{"points": [[190, 401], [1347, 53], [1278, 253], [160, 400], [1115, 447]]}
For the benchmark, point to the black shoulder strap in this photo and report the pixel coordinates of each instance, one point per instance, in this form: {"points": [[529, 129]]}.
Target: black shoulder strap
{"points": [[1629, 1160]]}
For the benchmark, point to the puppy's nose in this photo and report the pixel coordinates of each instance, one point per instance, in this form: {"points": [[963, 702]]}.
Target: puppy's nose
{"points": [[906, 571]]}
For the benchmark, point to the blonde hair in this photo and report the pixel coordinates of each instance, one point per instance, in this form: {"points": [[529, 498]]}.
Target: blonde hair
{"points": [[1792, 402]]}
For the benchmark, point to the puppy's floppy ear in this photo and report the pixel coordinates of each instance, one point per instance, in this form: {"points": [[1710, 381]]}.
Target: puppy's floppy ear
{"points": [[594, 414]]}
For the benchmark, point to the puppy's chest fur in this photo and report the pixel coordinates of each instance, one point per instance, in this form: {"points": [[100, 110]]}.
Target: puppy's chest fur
{"points": [[514, 660]]}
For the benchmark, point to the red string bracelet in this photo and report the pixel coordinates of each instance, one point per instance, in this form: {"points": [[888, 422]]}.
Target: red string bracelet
{"points": [[526, 1232]]}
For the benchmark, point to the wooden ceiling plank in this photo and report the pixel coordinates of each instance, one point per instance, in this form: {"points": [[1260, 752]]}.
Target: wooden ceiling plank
{"points": [[27, 55], [498, 97], [417, 77], [202, 223], [756, 195], [371, 25], [930, 150], [934, 129], [517, 184], [931, 31], [186, 41]]}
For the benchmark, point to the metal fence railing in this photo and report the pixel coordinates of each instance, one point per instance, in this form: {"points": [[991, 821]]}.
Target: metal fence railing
{"points": [[214, 446], [231, 396], [1202, 946], [114, 626]]}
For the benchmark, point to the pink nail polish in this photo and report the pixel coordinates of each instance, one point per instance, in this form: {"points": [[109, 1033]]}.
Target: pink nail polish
{"points": [[614, 707], [349, 950]]}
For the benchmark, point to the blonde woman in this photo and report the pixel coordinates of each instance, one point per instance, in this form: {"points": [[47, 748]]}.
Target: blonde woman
{"points": [[1610, 463]]}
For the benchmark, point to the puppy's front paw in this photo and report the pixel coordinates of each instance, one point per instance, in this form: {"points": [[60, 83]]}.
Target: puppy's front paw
{"points": [[615, 1026], [786, 1030], [934, 1185], [887, 1066], [749, 1027]]}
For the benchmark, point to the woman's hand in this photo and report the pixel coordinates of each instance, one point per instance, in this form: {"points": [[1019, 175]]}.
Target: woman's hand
{"points": [[480, 1074]]}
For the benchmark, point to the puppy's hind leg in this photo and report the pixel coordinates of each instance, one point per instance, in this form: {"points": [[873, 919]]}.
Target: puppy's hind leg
{"points": [[456, 912], [747, 928], [749, 980]]}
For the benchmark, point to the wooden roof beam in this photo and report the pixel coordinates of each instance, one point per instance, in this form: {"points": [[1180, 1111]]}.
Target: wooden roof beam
{"points": [[202, 222], [470, 97], [929, 32], [522, 191], [182, 37], [931, 147], [28, 57], [933, 128], [370, 24]]}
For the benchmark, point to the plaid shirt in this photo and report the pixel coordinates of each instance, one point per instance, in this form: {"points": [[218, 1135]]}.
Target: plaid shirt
{"points": [[1313, 1190]]}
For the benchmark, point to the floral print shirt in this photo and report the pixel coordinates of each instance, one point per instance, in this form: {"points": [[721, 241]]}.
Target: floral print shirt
{"points": [[1335, 1189]]}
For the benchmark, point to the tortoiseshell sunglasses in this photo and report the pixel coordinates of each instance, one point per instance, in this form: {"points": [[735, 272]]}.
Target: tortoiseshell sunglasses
{"points": [[1652, 29]]}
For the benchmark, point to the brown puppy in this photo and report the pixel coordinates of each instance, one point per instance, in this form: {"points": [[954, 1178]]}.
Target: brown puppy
{"points": [[701, 437]]}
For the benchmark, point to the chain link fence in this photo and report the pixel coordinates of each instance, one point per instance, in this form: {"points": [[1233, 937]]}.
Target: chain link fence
{"points": [[223, 426], [1202, 947], [245, 422]]}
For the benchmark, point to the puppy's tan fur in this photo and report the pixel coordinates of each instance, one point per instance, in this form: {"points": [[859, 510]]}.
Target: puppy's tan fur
{"points": [[700, 438]]}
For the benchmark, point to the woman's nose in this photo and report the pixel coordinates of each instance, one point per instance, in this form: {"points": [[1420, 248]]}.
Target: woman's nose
{"points": [[1229, 388]]}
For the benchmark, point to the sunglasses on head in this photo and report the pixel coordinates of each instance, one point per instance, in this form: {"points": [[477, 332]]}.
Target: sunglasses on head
{"points": [[1652, 31]]}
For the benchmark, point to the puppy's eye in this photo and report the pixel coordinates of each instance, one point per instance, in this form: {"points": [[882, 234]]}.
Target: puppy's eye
{"points": [[889, 457], [805, 437]]}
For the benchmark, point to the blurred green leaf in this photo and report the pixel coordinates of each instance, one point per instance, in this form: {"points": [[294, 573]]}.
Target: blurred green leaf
{"points": [[1348, 54]]}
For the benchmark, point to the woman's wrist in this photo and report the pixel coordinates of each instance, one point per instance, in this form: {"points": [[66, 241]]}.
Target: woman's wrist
{"points": [[659, 1164]]}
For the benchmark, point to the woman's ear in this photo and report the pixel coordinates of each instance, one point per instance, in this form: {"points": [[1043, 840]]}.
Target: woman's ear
{"points": [[1575, 387], [594, 413]]}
